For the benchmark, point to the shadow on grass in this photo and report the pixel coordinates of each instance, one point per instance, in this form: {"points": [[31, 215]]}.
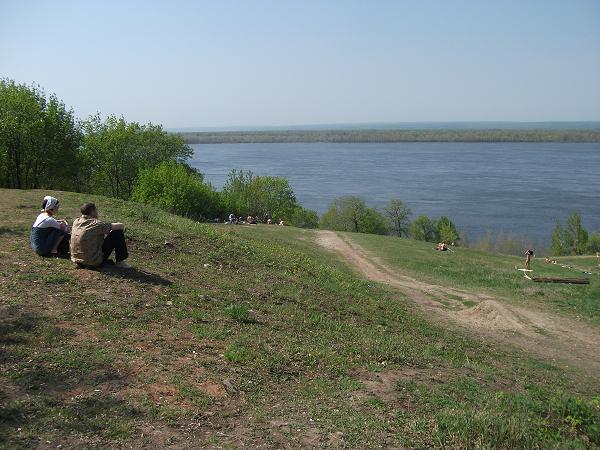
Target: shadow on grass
{"points": [[14, 330], [136, 275], [64, 390]]}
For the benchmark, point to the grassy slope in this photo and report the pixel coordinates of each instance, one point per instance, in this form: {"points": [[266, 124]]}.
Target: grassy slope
{"points": [[467, 268], [221, 339]]}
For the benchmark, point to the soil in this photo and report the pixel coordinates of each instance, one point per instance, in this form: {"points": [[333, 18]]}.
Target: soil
{"points": [[560, 340]]}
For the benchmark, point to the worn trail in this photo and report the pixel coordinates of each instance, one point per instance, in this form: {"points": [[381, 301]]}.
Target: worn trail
{"points": [[559, 339]]}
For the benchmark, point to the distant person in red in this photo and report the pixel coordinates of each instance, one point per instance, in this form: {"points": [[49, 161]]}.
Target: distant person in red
{"points": [[528, 256]]}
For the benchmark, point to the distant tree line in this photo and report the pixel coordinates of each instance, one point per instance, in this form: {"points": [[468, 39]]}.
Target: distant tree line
{"points": [[355, 136]]}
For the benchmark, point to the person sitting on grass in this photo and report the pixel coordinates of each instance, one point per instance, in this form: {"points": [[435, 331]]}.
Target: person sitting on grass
{"points": [[442, 247], [93, 241], [50, 236]]}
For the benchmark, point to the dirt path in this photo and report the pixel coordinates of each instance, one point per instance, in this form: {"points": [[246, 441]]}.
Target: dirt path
{"points": [[544, 334]]}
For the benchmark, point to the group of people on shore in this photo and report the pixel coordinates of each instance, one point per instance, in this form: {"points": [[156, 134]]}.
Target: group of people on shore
{"points": [[442, 247], [89, 242], [250, 220]]}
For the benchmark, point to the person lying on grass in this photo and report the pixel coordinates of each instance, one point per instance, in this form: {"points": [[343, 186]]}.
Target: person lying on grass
{"points": [[50, 236], [93, 241]]}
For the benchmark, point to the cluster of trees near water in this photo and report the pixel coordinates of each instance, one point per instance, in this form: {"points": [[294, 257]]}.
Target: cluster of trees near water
{"points": [[355, 136], [351, 213], [573, 239], [44, 146]]}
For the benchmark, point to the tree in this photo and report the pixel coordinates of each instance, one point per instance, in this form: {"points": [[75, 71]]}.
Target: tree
{"points": [[39, 139], [397, 213], [174, 188], [115, 152], [260, 196], [446, 230], [352, 214], [577, 235], [572, 239], [423, 229], [593, 243], [558, 246], [304, 218]]}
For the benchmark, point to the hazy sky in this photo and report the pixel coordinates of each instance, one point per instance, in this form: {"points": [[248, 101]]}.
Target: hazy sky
{"points": [[226, 63]]}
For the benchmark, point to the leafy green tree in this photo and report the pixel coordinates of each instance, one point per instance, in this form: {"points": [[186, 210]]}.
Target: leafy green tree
{"points": [[39, 139], [571, 239], [398, 217], [593, 244], [446, 230], [304, 218], [352, 214], [260, 196], [174, 188], [374, 222], [115, 151], [577, 235], [558, 246], [424, 229]]}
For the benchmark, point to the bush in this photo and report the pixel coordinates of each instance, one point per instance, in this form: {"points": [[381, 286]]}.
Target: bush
{"points": [[446, 230], [177, 189], [352, 214], [571, 239], [261, 196], [304, 218], [593, 243], [424, 229]]}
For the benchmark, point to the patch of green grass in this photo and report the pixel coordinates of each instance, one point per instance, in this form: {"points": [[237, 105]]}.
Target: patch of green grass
{"points": [[238, 352], [464, 412], [240, 313]]}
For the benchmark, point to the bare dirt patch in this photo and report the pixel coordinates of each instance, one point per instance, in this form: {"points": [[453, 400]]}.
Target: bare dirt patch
{"points": [[550, 336]]}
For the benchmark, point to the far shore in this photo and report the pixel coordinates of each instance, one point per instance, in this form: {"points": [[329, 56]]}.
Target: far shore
{"points": [[379, 136]]}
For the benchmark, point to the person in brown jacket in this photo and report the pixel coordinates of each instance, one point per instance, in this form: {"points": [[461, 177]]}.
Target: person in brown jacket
{"points": [[93, 241]]}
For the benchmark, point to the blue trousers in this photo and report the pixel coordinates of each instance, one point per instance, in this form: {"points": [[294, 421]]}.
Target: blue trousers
{"points": [[44, 239]]}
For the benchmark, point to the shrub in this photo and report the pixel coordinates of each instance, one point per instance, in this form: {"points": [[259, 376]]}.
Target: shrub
{"points": [[424, 229], [304, 218], [352, 214], [177, 189]]}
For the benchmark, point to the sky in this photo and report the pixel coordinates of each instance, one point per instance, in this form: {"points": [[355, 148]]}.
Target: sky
{"points": [[275, 63]]}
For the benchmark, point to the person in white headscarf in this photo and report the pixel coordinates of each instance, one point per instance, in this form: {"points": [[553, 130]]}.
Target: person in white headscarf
{"points": [[50, 236]]}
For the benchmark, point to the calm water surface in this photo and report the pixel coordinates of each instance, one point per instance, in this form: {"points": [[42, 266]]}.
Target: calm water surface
{"points": [[519, 187]]}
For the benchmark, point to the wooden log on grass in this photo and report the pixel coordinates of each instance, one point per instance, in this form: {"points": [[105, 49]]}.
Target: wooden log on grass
{"points": [[560, 280]]}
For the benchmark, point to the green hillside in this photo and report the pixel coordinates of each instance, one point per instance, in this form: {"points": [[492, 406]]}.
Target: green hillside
{"points": [[227, 336]]}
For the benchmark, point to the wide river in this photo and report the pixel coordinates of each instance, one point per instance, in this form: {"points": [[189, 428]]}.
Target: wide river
{"points": [[518, 187]]}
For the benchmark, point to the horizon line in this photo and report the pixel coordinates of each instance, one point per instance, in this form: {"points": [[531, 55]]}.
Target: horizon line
{"points": [[457, 124]]}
